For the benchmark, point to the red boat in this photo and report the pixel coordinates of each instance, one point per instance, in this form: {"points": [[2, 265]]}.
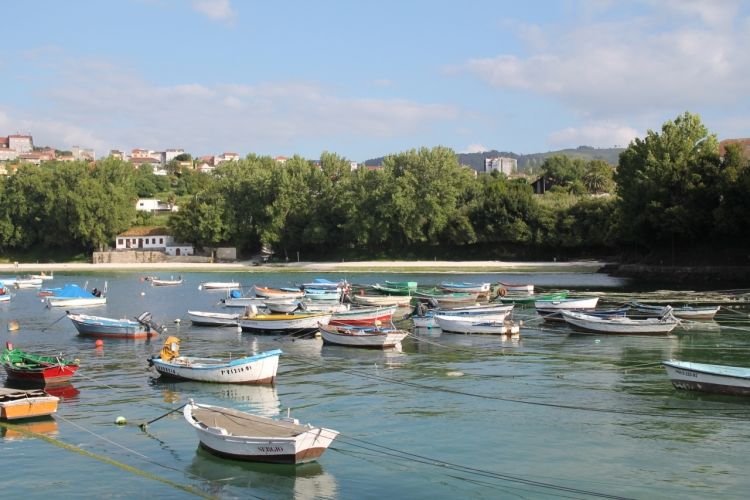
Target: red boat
{"points": [[35, 369], [364, 316]]}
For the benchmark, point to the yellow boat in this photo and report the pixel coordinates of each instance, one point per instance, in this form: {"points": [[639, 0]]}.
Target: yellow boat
{"points": [[17, 403]]}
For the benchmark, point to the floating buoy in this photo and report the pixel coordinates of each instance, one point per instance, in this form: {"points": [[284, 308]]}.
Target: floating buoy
{"points": [[177, 321], [13, 325], [143, 293], [455, 374], [99, 343], [121, 420]]}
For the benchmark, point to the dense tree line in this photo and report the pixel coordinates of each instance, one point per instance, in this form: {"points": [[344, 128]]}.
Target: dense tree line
{"points": [[670, 189]]}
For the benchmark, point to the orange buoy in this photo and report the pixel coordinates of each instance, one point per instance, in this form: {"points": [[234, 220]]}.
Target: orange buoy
{"points": [[99, 343]]}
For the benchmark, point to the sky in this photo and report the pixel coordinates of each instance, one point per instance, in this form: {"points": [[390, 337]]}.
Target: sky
{"points": [[364, 78]]}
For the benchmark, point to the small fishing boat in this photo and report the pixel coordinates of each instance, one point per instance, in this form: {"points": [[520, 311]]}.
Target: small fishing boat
{"points": [[392, 290], [100, 327], [683, 312], [380, 300], [291, 323], [324, 284], [365, 337], [164, 282], [573, 304], [510, 288], [36, 369], [72, 295], [238, 435], [5, 294], [362, 316], [425, 318], [256, 369], [305, 306], [444, 299], [411, 285], [43, 276], [235, 298], [553, 314], [478, 288], [32, 403], [278, 293], [620, 325], [530, 298], [473, 324], [207, 318], [28, 282], [218, 285], [323, 294], [722, 379]]}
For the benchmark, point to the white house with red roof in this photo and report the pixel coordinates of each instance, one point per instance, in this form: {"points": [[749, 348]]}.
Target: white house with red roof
{"points": [[152, 238]]}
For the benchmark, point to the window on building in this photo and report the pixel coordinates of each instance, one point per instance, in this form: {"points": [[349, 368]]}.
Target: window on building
{"points": [[119, 242], [161, 240]]}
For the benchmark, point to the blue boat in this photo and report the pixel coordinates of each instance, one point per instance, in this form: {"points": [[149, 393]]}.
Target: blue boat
{"points": [[100, 327]]}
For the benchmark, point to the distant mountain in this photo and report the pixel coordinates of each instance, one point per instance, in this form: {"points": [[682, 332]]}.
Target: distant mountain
{"points": [[528, 163]]}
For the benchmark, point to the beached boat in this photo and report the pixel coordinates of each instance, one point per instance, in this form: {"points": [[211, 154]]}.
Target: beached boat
{"points": [[380, 300], [100, 327], [32, 403], [218, 285], [36, 369], [683, 312], [620, 325], [290, 323], [72, 295], [278, 293], [256, 369], [392, 290], [555, 314], [368, 338], [362, 316], [722, 379], [238, 435], [510, 288], [164, 282], [479, 288], [208, 318], [530, 298]]}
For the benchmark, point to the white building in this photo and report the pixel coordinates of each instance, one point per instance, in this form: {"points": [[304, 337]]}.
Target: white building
{"points": [[171, 154], [80, 153], [501, 164], [154, 205], [152, 238], [21, 143]]}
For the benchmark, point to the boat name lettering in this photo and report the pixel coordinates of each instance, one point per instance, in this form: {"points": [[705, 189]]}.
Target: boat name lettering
{"points": [[270, 449], [686, 374]]}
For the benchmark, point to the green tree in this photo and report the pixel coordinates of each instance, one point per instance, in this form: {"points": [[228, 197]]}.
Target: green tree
{"points": [[598, 177]]}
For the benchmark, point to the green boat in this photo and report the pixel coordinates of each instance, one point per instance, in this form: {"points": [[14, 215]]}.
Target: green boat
{"points": [[531, 298], [390, 290], [411, 285], [436, 293]]}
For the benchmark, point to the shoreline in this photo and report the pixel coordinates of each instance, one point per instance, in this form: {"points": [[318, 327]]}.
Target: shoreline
{"points": [[359, 266]]}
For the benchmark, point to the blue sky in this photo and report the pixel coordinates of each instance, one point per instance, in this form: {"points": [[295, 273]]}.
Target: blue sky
{"points": [[368, 78]]}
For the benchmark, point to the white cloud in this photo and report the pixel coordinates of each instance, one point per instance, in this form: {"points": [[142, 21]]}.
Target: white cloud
{"points": [[475, 148], [602, 68], [599, 135], [216, 10]]}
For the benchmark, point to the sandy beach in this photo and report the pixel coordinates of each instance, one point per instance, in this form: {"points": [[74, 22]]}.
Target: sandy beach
{"points": [[427, 266]]}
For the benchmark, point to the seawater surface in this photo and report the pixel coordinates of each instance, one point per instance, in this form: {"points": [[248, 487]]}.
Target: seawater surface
{"points": [[548, 414]]}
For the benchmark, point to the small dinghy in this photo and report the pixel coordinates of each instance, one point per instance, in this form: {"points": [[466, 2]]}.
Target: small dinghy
{"points": [[234, 434]]}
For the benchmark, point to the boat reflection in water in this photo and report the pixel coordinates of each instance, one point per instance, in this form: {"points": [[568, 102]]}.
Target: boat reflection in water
{"points": [[258, 399], [64, 392], [25, 429], [307, 480]]}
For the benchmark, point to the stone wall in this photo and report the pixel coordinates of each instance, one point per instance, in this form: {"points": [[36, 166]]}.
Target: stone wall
{"points": [[143, 257]]}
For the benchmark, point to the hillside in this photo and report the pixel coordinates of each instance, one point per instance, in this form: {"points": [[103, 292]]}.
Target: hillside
{"points": [[527, 163]]}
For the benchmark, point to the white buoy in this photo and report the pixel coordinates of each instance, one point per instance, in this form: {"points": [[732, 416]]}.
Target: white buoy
{"points": [[177, 321], [143, 293]]}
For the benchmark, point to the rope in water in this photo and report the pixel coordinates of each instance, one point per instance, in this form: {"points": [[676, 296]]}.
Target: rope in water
{"points": [[129, 468]]}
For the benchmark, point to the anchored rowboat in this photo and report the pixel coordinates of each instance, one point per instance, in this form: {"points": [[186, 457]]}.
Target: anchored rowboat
{"points": [[371, 338], [207, 318], [293, 323], [721, 379], [98, 326], [684, 312], [234, 434], [363, 316], [32, 368], [620, 325], [17, 404]]}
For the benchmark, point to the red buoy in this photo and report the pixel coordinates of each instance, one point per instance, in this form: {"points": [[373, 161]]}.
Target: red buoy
{"points": [[99, 343]]}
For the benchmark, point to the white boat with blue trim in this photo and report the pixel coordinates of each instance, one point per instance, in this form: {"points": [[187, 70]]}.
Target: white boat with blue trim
{"points": [[722, 379]]}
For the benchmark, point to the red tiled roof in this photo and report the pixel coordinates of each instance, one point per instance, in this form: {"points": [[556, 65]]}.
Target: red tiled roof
{"points": [[144, 160], [744, 142], [145, 231]]}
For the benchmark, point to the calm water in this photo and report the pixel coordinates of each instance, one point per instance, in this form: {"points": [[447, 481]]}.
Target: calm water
{"points": [[550, 414]]}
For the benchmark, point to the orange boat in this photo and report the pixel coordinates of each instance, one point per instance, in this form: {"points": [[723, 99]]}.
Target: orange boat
{"points": [[18, 403]]}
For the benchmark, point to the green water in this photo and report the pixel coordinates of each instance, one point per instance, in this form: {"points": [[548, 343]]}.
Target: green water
{"points": [[548, 414]]}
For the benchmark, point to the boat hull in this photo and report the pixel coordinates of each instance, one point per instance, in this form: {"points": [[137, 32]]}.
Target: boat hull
{"points": [[364, 316], [53, 301], [220, 285], [292, 444], [53, 375], [18, 404], [619, 325], [292, 323], [94, 326], [381, 300], [201, 318], [366, 340], [258, 369], [709, 378], [483, 325]]}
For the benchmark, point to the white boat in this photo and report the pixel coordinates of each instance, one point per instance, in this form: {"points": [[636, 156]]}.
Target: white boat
{"points": [[278, 293], [460, 324], [721, 379], [294, 306], [620, 324], [208, 318], [425, 318], [683, 312], [292, 323], [479, 288], [169, 282], [256, 369], [72, 295], [234, 434], [219, 285], [361, 316], [28, 282], [370, 338], [569, 304], [381, 300], [5, 297], [527, 288], [43, 276]]}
